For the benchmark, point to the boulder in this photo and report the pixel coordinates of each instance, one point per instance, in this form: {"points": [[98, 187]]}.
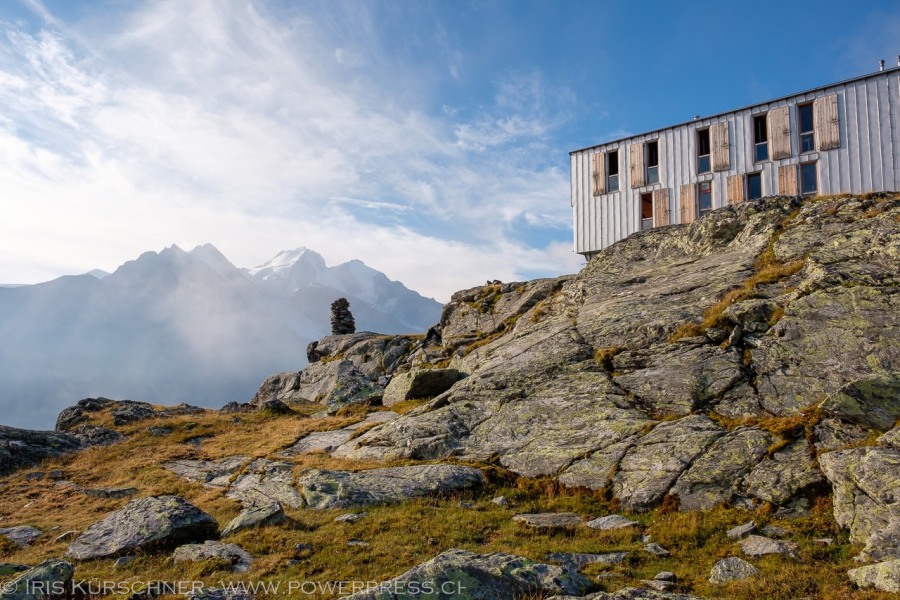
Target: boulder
{"points": [[211, 473], [256, 517], [731, 569], [50, 579], [460, 574], [576, 560], [264, 483], [321, 489], [238, 557], [419, 383], [884, 576], [23, 535], [21, 448], [152, 521], [866, 484], [549, 520], [740, 531]]}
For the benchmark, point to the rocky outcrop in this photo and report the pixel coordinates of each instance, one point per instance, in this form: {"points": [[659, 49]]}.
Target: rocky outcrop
{"points": [[264, 483], [323, 489], [153, 521], [50, 579], [123, 412], [21, 448], [419, 383], [463, 575], [759, 311], [211, 473]]}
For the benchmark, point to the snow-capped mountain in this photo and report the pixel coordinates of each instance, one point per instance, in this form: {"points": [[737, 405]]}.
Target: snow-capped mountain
{"points": [[175, 326]]}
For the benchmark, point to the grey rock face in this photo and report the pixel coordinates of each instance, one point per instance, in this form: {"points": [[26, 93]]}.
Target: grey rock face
{"points": [[884, 576], [648, 470], [712, 478], [576, 560], [789, 471], [256, 517], [211, 473], [483, 577], [731, 569], [50, 578], [883, 544], [20, 448], [264, 483], [238, 557], [321, 489], [870, 401], [757, 545], [549, 520], [97, 435], [419, 383], [23, 535], [147, 521]]}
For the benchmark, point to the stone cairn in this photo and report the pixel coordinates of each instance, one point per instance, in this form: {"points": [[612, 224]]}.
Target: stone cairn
{"points": [[341, 319]]}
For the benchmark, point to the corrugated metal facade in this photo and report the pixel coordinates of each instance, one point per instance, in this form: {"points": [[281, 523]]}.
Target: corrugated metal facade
{"points": [[856, 150]]}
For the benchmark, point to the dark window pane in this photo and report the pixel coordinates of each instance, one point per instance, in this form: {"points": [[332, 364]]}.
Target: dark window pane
{"points": [[759, 129], [806, 118], [652, 175], [652, 154], [808, 183], [613, 185], [762, 151], [754, 186], [646, 206], [703, 164], [613, 159], [703, 142]]}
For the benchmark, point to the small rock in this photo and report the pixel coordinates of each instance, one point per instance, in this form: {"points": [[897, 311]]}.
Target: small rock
{"points": [[656, 549], [824, 541], [220, 594], [124, 561], [63, 537], [22, 535], [350, 517], [239, 558], [731, 569], [276, 407], [500, 501], [757, 545], [884, 576], [467, 505], [549, 520], [357, 543], [736, 533], [611, 522], [659, 586], [113, 493], [302, 551], [774, 531], [716, 335], [159, 430], [256, 517], [666, 576]]}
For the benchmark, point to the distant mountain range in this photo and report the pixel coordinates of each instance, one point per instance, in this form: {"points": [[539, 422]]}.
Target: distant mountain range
{"points": [[178, 326]]}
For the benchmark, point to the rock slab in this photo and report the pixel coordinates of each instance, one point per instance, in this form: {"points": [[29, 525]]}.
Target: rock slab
{"points": [[50, 578], [144, 522], [884, 576], [731, 569]]}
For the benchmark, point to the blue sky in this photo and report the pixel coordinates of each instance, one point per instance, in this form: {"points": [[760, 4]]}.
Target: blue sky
{"points": [[429, 139]]}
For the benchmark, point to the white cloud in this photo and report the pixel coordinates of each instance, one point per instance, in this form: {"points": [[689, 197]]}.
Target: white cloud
{"points": [[223, 122]]}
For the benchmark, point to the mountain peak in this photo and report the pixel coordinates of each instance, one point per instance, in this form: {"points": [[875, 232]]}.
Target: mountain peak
{"points": [[288, 260]]}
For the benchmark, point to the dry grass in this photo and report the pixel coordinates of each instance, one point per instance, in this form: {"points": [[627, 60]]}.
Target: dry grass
{"points": [[400, 536]]}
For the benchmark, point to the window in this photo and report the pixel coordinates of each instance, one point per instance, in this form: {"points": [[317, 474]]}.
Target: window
{"points": [[754, 186], [807, 137], [612, 171], [705, 203], [808, 182], [652, 162], [760, 138], [646, 211], [703, 151]]}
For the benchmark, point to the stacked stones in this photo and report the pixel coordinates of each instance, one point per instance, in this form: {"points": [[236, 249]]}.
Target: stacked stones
{"points": [[341, 319]]}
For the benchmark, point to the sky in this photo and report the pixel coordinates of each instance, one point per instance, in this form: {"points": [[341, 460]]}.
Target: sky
{"points": [[429, 139]]}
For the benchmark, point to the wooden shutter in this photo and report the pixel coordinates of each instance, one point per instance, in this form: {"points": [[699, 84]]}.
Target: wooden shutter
{"points": [[661, 207], [787, 180], [598, 173], [718, 133], [688, 197], [825, 119], [779, 121], [735, 189], [636, 164]]}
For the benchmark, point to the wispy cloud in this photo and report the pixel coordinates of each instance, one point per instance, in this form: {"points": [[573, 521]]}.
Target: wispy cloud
{"points": [[260, 128]]}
